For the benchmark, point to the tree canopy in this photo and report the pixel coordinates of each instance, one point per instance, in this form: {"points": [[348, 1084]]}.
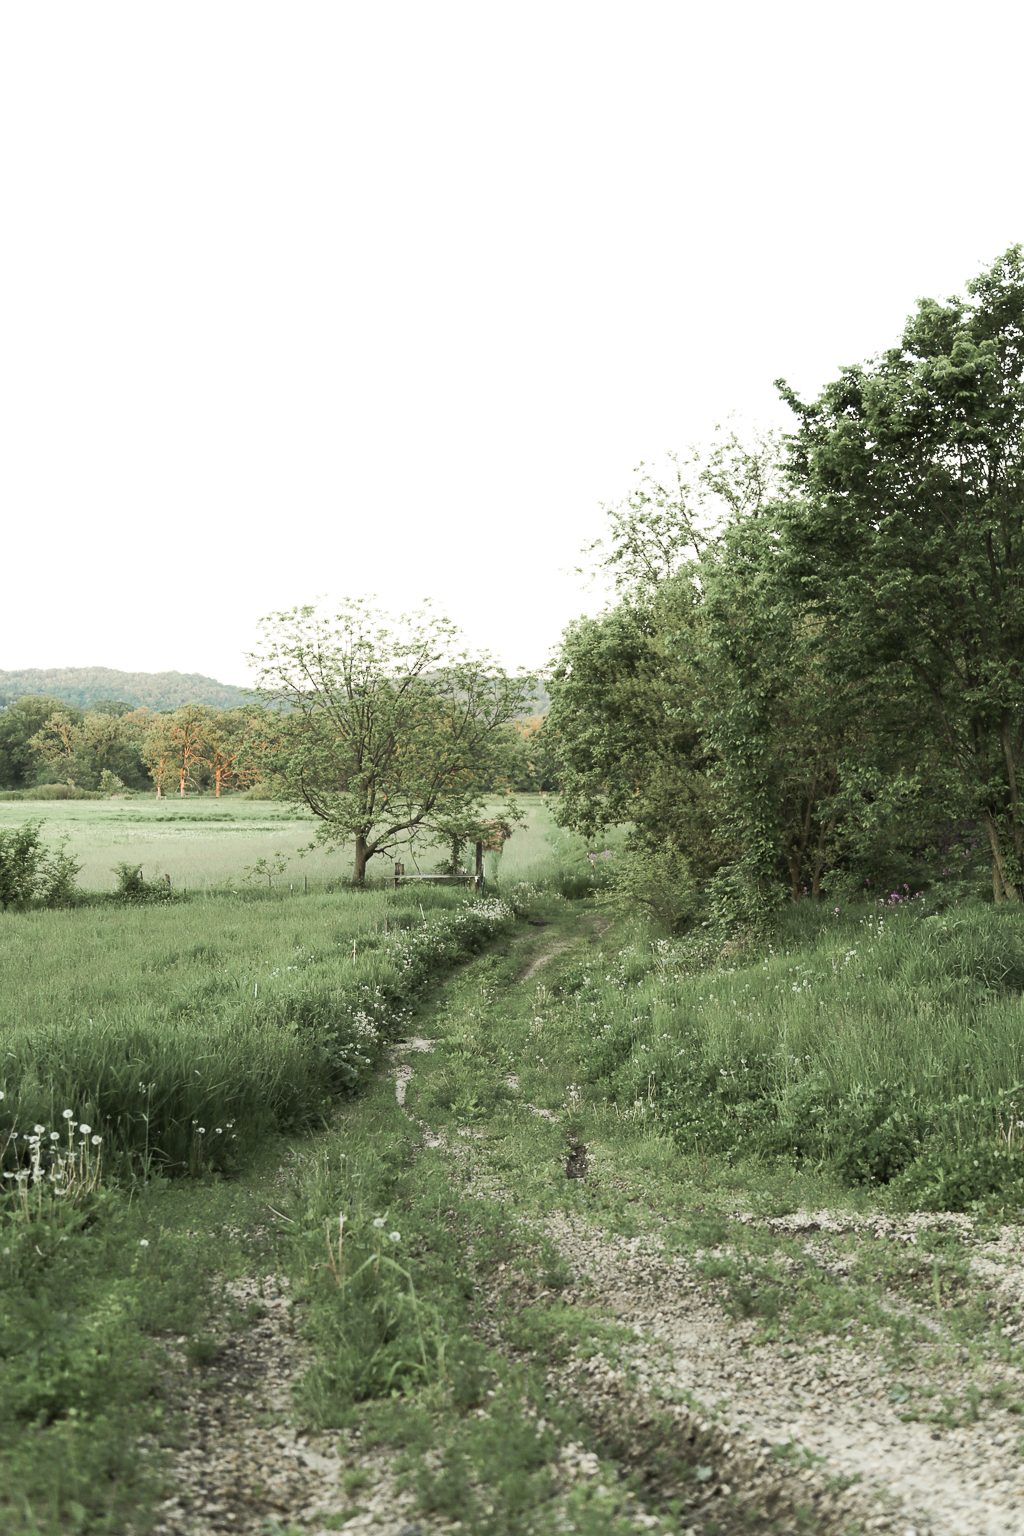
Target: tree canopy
{"points": [[908, 534], [832, 670], [387, 728]]}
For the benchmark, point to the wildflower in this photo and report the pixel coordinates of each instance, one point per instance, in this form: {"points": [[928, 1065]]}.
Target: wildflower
{"points": [[54, 1136], [201, 1131], [378, 1222], [69, 1114], [39, 1129], [96, 1140], [143, 1242], [396, 1237], [85, 1129]]}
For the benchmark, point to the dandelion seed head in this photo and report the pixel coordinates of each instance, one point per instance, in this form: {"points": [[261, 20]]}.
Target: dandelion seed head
{"points": [[69, 1114], [378, 1222], [85, 1129], [39, 1129], [396, 1237], [143, 1242], [96, 1140]]}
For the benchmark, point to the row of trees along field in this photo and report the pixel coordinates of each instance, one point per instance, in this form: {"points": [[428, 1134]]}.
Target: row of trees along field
{"points": [[812, 675], [113, 747]]}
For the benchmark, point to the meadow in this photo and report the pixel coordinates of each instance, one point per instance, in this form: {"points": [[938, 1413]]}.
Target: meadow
{"points": [[184, 1071], [206, 844]]}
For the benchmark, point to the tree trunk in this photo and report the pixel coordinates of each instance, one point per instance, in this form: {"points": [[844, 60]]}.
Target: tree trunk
{"points": [[217, 775], [1002, 888], [362, 852]]}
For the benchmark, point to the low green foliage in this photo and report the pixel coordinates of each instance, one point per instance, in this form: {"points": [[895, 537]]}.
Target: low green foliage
{"points": [[32, 873], [89, 1289], [885, 1046]]}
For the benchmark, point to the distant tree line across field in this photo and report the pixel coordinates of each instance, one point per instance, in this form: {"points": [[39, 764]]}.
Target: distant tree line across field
{"points": [[195, 748]]}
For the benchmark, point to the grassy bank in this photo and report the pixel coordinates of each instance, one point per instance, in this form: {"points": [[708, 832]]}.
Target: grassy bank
{"points": [[182, 1035], [886, 1045]]}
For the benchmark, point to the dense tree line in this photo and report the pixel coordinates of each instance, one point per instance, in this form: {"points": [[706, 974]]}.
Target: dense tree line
{"points": [[113, 747], [827, 685]]}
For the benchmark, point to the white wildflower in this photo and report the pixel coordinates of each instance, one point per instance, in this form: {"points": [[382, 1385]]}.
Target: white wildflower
{"points": [[396, 1237], [69, 1114], [85, 1129], [378, 1222]]}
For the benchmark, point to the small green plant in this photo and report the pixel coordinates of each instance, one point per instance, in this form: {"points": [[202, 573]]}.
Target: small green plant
{"points": [[202, 1351]]}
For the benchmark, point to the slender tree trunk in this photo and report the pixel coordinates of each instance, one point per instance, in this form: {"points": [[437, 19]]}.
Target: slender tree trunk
{"points": [[359, 871], [1002, 888], [217, 778]]}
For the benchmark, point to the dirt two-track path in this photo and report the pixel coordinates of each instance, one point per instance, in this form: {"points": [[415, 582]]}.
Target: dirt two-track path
{"points": [[774, 1439]]}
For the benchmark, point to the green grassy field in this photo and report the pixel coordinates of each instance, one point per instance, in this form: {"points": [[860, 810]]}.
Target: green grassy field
{"points": [[203, 843], [870, 1057]]}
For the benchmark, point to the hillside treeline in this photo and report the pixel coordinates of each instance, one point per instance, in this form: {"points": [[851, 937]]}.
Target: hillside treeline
{"points": [[85, 687], [811, 679]]}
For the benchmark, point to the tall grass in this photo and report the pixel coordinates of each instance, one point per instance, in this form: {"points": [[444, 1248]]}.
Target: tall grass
{"points": [[201, 843], [889, 1043], [549, 856], [206, 844], [182, 1034]]}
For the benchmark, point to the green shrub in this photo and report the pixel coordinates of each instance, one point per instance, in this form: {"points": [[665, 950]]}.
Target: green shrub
{"points": [[657, 883], [29, 872], [132, 886]]}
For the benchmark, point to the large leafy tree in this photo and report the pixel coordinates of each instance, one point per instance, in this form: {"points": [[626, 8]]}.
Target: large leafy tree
{"points": [[622, 729], [229, 738], [627, 726], [908, 538], [385, 729], [803, 758], [19, 723]]}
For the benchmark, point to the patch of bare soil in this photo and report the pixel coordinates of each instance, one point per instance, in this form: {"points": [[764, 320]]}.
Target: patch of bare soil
{"points": [[246, 1465]]}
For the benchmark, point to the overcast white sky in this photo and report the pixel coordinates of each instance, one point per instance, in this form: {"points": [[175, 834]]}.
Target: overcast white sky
{"points": [[349, 298]]}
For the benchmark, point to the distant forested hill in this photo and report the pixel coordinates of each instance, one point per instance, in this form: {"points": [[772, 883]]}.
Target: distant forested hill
{"points": [[85, 685]]}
